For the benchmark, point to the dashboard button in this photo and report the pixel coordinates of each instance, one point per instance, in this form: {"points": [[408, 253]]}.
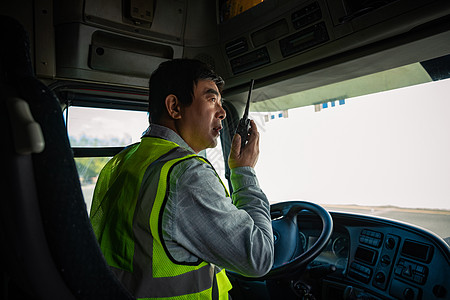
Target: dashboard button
{"points": [[419, 279], [385, 260], [420, 269], [407, 271], [380, 277], [411, 271]]}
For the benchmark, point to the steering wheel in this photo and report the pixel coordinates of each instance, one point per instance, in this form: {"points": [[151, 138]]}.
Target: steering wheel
{"points": [[289, 259]]}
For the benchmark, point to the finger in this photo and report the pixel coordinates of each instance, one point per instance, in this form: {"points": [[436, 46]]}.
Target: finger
{"points": [[235, 146], [253, 126], [253, 133]]}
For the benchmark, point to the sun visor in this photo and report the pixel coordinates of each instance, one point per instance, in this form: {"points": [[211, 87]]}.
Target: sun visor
{"points": [[382, 81]]}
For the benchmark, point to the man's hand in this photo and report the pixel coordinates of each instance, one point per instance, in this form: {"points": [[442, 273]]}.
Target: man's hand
{"points": [[248, 156]]}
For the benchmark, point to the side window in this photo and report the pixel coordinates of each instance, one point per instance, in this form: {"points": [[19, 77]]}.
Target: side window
{"points": [[97, 130], [88, 170]]}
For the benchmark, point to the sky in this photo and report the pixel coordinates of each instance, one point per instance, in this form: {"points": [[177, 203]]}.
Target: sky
{"points": [[107, 124], [389, 148]]}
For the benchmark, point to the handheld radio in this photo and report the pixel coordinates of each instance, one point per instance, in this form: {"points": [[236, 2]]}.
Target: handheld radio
{"points": [[244, 123]]}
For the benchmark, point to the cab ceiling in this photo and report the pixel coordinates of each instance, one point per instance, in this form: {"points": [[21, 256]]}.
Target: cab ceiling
{"points": [[287, 46]]}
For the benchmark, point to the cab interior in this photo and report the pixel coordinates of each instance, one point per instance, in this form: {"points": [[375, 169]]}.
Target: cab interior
{"points": [[57, 55]]}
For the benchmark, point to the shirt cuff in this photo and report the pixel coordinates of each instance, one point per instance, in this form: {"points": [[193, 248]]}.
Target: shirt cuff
{"points": [[243, 177]]}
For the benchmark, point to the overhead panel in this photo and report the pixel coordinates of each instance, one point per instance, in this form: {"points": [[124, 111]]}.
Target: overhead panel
{"points": [[273, 40], [116, 42], [123, 55]]}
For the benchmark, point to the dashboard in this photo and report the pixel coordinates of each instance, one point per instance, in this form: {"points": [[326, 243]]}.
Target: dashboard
{"points": [[379, 258], [366, 258], [337, 250]]}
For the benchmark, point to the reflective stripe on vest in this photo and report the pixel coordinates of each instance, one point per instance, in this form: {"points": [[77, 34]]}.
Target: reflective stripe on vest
{"points": [[129, 229]]}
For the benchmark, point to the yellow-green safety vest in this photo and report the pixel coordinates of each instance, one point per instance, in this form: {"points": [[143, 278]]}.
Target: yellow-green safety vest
{"points": [[126, 216]]}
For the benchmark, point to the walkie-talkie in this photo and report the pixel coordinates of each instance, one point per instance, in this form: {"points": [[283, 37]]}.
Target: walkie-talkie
{"points": [[244, 123]]}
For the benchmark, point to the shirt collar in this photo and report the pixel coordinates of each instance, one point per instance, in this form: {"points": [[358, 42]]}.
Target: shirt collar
{"points": [[155, 130]]}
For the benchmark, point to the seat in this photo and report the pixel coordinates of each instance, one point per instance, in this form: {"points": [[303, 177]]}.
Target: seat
{"points": [[49, 250]]}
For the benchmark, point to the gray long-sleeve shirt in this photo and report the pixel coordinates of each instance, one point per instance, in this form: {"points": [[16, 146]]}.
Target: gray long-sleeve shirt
{"points": [[201, 221]]}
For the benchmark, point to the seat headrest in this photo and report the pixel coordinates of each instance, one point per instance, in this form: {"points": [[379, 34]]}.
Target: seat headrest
{"points": [[15, 61]]}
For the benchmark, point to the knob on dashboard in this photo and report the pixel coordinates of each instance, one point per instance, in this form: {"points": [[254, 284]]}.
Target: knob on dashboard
{"points": [[408, 293], [385, 260], [439, 291], [380, 277], [390, 243]]}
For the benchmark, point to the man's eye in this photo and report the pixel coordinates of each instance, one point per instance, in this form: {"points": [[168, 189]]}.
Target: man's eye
{"points": [[213, 99]]}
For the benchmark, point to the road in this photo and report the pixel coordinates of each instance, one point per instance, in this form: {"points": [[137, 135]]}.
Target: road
{"points": [[437, 221]]}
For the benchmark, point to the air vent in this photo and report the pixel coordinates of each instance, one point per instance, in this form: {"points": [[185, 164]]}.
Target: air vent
{"points": [[307, 15], [304, 39], [250, 61], [236, 47]]}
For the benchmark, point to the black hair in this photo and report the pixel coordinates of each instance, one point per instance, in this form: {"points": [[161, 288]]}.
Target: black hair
{"points": [[177, 77]]}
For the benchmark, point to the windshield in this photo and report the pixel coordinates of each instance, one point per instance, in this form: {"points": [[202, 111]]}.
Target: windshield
{"points": [[384, 154]]}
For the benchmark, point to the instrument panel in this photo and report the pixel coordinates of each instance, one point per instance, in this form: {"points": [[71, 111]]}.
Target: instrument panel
{"points": [[337, 250], [380, 258]]}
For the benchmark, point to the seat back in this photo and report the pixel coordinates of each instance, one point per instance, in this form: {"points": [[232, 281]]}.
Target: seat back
{"points": [[51, 251]]}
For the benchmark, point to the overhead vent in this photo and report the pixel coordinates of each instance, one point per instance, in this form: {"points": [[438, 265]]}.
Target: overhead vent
{"points": [[356, 8], [250, 60], [304, 39], [236, 47], [307, 15], [270, 33]]}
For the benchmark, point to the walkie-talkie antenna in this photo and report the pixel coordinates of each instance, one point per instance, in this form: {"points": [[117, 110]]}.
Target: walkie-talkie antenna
{"points": [[252, 82]]}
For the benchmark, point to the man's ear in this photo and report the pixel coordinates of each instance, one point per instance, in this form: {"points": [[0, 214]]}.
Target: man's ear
{"points": [[173, 107]]}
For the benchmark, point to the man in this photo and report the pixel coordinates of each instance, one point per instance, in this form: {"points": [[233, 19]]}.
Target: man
{"points": [[163, 218]]}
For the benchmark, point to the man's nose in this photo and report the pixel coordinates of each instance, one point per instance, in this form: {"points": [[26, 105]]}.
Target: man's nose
{"points": [[221, 113]]}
